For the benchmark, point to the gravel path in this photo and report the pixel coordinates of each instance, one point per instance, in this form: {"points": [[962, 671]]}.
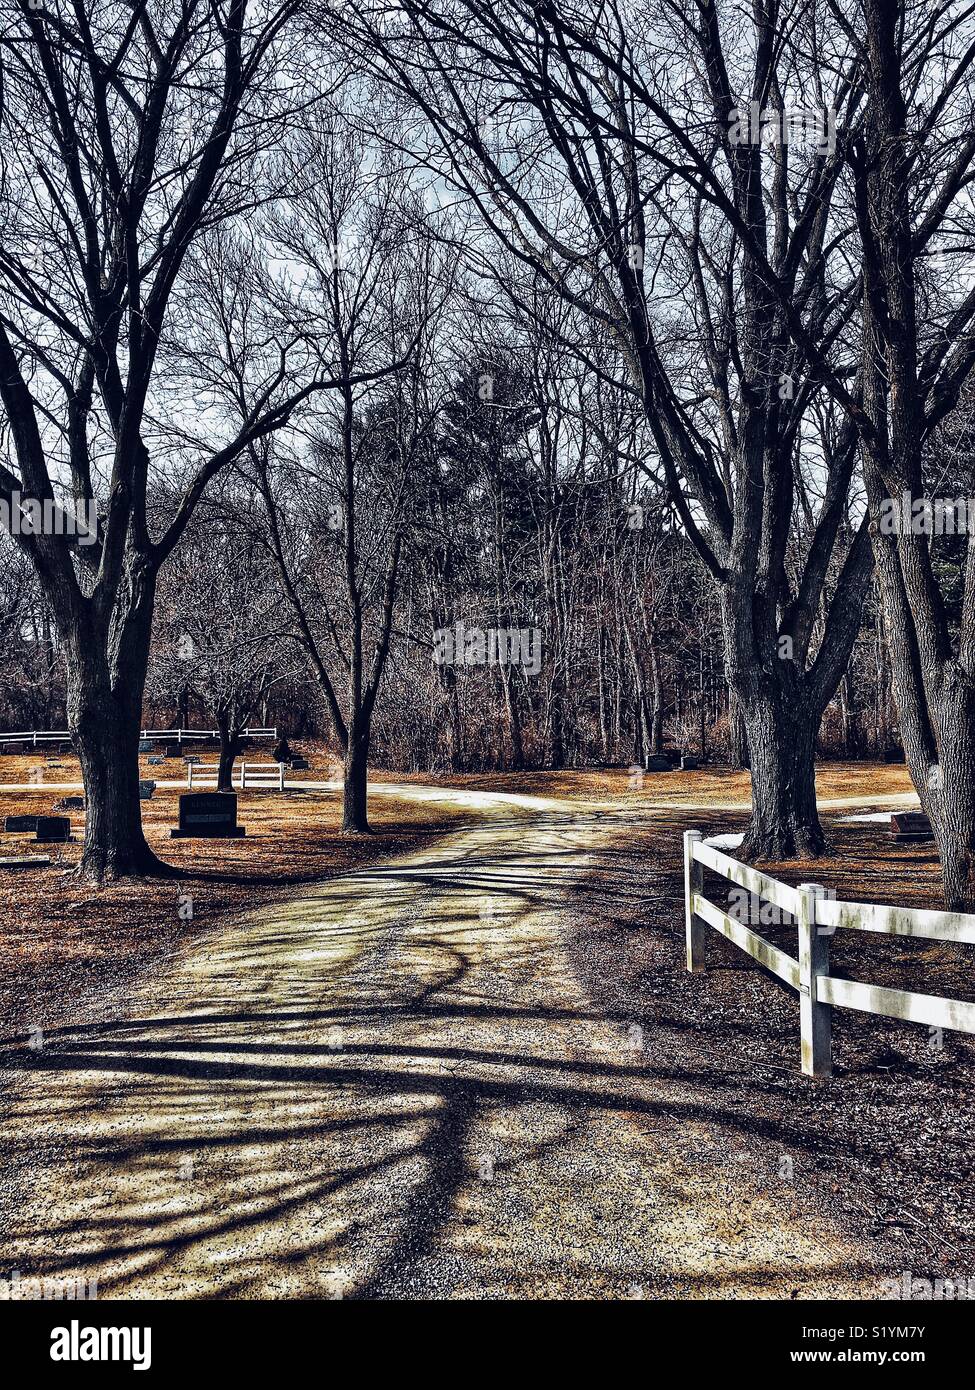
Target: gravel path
{"points": [[396, 1086]]}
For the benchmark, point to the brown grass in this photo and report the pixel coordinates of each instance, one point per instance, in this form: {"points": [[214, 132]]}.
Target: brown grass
{"points": [[60, 939], [717, 785]]}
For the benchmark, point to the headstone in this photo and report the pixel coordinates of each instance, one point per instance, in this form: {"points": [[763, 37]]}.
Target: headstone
{"points": [[64, 749], [658, 762], [174, 750], [70, 803], [299, 764], [689, 762], [146, 745], [146, 790], [156, 762], [194, 761], [25, 861], [208, 815], [910, 825], [53, 830], [20, 825], [673, 756]]}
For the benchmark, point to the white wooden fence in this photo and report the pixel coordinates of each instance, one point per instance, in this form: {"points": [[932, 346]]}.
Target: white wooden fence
{"points": [[817, 918], [269, 776], [188, 735], [33, 737]]}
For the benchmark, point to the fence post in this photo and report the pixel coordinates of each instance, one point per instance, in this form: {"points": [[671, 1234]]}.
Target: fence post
{"points": [[815, 1019], [281, 777], [696, 930], [189, 775]]}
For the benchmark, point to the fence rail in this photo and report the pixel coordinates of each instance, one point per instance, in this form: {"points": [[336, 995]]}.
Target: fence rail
{"points": [[186, 735], [817, 918], [36, 736], [269, 776]]}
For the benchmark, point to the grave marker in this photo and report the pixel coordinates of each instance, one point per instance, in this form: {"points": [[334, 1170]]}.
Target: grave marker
{"points": [[208, 815], [20, 825], [146, 790], [53, 830], [658, 762], [910, 825]]}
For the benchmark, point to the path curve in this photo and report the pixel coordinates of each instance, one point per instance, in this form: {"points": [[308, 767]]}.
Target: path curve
{"points": [[394, 1085]]}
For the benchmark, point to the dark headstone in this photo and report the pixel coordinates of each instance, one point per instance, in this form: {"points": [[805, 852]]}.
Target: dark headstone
{"points": [[53, 830], [71, 803], [20, 825], [25, 861], [193, 760], [146, 790], [156, 762], [689, 762], [146, 745], [299, 764], [658, 762], [910, 825], [174, 750], [208, 815]]}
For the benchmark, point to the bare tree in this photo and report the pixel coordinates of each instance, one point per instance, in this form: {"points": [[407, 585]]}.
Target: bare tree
{"points": [[913, 166], [219, 635], [123, 139], [600, 148], [367, 277]]}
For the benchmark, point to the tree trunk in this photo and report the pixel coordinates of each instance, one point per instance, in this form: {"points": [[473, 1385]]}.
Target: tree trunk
{"points": [[601, 685], [737, 733], [782, 733], [104, 715], [657, 721], [512, 716], [945, 783], [229, 752], [354, 793]]}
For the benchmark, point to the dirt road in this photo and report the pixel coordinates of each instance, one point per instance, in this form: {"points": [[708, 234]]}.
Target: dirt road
{"points": [[395, 1086]]}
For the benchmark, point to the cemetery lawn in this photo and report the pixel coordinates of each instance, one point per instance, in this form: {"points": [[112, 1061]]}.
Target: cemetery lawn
{"points": [[478, 1068], [64, 945]]}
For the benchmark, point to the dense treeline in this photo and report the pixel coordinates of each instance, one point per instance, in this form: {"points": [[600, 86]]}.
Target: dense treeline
{"points": [[503, 386]]}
